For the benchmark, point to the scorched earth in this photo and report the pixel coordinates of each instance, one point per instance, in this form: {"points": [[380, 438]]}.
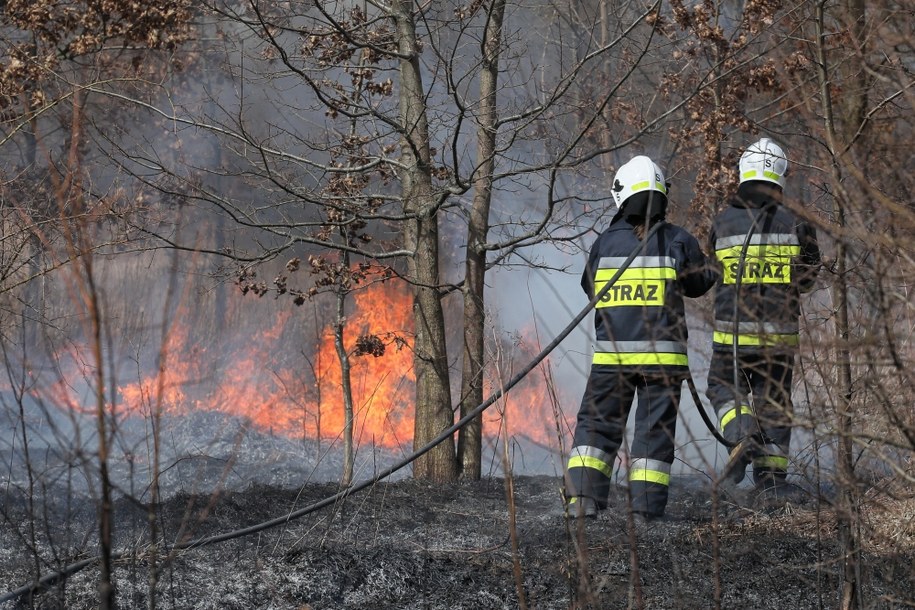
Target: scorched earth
{"points": [[494, 543]]}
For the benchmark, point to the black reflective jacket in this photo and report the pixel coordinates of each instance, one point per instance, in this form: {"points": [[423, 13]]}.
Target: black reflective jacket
{"points": [[766, 256], [640, 321]]}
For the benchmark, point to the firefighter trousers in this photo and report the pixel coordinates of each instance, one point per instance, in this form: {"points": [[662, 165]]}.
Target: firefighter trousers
{"points": [[601, 429], [759, 404]]}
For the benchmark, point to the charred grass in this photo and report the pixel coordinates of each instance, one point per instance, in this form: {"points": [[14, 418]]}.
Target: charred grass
{"points": [[410, 545]]}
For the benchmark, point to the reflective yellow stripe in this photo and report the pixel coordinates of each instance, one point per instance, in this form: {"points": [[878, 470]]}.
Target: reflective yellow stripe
{"points": [[741, 410], [770, 270], [633, 359], [757, 340], [771, 461], [650, 476], [759, 251], [635, 287], [638, 273], [641, 186], [752, 174], [584, 461], [638, 293], [761, 263]]}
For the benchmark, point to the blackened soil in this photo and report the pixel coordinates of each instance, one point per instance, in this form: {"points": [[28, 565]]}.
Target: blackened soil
{"points": [[466, 546]]}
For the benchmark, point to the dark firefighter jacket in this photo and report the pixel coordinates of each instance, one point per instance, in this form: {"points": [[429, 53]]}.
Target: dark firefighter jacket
{"points": [[639, 323], [767, 257]]}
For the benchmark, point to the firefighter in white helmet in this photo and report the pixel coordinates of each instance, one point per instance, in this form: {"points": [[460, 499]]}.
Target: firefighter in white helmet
{"points": [[767, 257], [640, 348]]}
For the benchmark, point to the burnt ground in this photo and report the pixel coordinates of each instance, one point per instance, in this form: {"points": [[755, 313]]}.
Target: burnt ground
{"points": [[407, 544]]}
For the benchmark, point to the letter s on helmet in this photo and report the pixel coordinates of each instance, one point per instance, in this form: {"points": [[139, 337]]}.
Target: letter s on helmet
{"points": [[764, 160], [640, 175]]}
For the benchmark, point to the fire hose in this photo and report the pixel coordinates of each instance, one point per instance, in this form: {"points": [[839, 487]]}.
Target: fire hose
{"points": [[51, 579]]}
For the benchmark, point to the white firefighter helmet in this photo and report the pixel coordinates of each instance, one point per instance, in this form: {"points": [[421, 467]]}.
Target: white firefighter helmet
{"points": [[640, 176], [764, 160]]}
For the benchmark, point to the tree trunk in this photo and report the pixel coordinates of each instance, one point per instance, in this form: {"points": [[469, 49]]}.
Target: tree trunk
{"points": [[470, 438], [853, 107], [69, 197], [345, 382], [839, 135], [433, 391], [106, 589]]}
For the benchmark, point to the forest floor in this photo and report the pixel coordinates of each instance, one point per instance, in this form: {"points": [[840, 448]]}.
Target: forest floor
{"points": [[408, 544]]}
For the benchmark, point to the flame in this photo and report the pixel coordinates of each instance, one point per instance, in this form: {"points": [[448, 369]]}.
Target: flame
{"points": [[303, 399], [382, 386], [534, 407]]}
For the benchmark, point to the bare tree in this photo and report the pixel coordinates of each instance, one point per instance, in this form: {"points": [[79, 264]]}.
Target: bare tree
{"points": [[51, 56], [470, 437], [858, 68]]}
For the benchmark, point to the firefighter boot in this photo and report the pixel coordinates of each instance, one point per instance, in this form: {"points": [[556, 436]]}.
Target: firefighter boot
{"points": [[581, 507], [741, 456]]}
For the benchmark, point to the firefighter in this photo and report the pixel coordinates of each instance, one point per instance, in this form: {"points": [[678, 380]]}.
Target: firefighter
{"points": [[767, 256], [640, 350]]}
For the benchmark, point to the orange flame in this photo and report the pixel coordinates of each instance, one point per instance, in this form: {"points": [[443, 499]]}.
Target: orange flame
{"points": [[305, 401], [296, 402], [382, 386]]}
